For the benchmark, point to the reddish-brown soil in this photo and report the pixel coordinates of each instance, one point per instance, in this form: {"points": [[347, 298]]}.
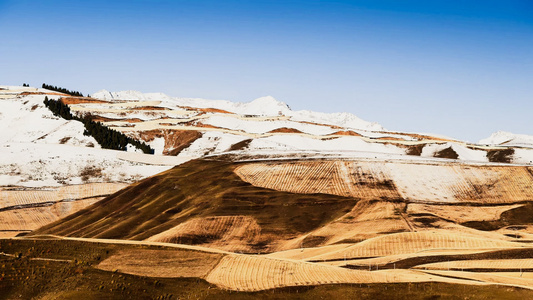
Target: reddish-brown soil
{"points": [[347, 132], [80, 100], [41, 93], [200, 124], [285, 130], [240, 145], [389, 138], [175, 140], [207, 110]]}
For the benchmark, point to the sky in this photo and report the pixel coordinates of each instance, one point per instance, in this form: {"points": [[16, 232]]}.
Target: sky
{"points": [[462, 69]]}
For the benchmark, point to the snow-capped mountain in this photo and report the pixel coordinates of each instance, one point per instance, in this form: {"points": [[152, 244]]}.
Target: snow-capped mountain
{"points": [[263, 106], [40, 149]]}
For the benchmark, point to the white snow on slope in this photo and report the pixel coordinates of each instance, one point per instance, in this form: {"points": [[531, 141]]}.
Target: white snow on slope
{"points": [[252, 126], [344, 119], [37, 165], [463, 152], [345, 143], [28, 120], [39, 149], [523, 156], [211, 143], [129, 95]]}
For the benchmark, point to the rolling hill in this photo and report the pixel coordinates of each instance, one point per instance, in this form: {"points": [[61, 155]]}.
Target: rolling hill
{"points": [[255, 200]]}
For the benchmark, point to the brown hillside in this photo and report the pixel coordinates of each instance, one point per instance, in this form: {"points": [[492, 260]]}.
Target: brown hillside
{"points": [[202, 189], [278, 205], [175, 140]]}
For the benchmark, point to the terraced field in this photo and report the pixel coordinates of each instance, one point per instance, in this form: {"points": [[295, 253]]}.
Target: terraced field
{"points": [[269, 225], [26, 209], [12, 196], [487, 265], [48, 267], [162, 263], [462, 213], [251, 273], [412, 242], [363, 180], [231, 233], [414, 182]]}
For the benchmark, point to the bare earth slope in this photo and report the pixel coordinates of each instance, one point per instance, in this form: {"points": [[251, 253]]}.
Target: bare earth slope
{"points": [[317, 202], [198, 194]]}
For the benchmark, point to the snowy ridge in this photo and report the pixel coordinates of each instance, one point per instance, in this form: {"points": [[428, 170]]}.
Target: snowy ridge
{"points": [[343, 119], [263, 106], [509, 139]]}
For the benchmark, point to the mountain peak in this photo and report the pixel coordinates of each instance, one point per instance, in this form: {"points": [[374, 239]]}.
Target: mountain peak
{"points": [[267, 105]]}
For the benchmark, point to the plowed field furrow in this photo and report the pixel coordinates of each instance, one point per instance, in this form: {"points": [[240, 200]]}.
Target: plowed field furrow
{"points": [[89, 190], [30, 196], [225, 232], [411, 242], [461, 213], [344, 179], [253, 273], [35, 217], [368, 211], [344, 232], [162, 263], [486, 277], [415, 182], [328, 177], [372, 182], [480, 264], [12, 198]]}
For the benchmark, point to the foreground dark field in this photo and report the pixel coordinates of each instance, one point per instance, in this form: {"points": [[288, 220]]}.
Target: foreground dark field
{"points": [[62, 269]]}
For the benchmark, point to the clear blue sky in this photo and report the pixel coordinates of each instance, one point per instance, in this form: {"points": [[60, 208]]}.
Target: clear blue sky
{"points": [[457, 68]]}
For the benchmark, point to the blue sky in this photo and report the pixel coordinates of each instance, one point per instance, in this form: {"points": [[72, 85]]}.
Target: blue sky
{"points": [[457, 68]]}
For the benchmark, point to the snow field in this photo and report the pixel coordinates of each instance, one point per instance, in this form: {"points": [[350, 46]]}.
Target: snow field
{"points": [[38, 165]]}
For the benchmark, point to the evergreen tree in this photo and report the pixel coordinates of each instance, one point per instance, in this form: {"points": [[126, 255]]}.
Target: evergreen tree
{"points": [[106, 137]]}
